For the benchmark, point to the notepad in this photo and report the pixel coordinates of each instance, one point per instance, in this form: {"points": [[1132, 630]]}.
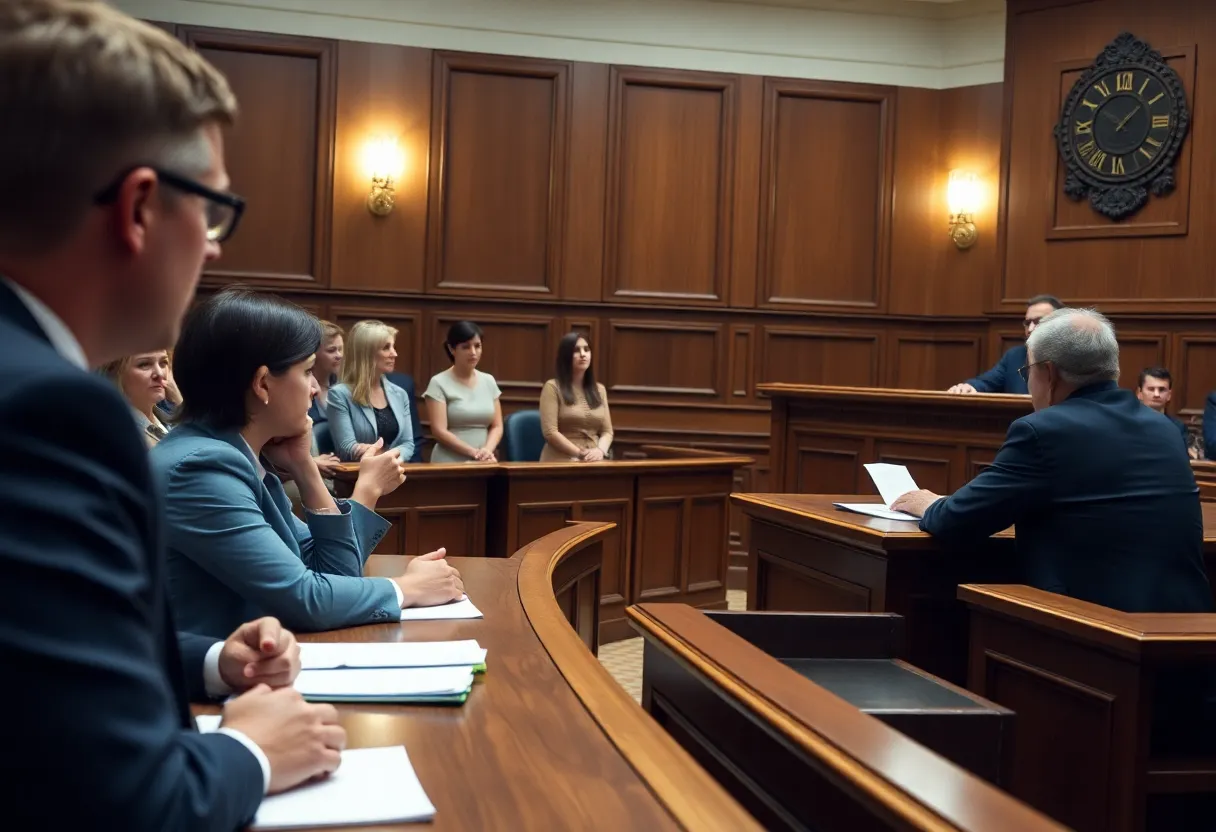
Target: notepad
{"points": [[406, 685], [372, 786], [892, 482], [454, 610], [322, 656]]}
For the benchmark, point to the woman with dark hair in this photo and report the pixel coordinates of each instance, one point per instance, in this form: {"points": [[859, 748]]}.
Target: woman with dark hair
{"points": [[235, 550], [574, 408], [462, 402]]}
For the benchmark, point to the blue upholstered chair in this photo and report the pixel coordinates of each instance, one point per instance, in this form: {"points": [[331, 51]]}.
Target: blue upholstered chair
{"points": [[522, 437]]}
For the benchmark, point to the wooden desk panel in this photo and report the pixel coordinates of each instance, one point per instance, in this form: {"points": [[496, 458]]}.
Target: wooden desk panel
{"points": [[547, 739], [822, 436], [808, 555], [1082, 679], [796, 755], [671, 520], [437, 505]]}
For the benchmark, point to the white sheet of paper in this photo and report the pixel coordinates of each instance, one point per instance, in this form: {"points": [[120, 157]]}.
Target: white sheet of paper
{"points": [[876, 510], [456, 609], [373, 785], [892, 481], [318, 656], [387, 682], [207, 722]]}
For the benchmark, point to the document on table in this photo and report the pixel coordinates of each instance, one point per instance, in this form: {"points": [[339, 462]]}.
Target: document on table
{"points": [[322, 656], [892, 482], [398, 684], [453, 610], [372, 786]]}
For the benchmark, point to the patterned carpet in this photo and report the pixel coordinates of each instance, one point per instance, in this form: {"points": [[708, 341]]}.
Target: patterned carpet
{"points": [[623, 659]]}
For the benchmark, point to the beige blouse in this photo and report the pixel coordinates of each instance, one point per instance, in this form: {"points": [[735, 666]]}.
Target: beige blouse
{"points": [[577, 422]]}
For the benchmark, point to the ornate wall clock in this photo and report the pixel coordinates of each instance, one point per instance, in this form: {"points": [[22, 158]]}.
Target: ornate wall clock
{"points": [[1121, 127]]}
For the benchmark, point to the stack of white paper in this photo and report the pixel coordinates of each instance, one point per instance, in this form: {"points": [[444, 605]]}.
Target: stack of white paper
{"points": [[373, 785], [324, 656], [365, 684], [892, 481], [456, 609]]}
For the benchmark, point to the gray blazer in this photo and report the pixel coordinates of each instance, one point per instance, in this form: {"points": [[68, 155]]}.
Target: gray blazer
{"points": [[236, 552], [351, 423]]}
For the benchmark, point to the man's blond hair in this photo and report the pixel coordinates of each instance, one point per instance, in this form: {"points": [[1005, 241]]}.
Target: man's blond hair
{"points": [[86, 93]]}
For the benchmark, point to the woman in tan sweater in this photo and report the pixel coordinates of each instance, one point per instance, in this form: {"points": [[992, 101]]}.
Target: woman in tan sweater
{"points": [[574, 408]]}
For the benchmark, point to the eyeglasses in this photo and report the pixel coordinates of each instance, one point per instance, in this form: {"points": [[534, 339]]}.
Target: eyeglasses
{"points": [[223, 209], [1024, 370]]}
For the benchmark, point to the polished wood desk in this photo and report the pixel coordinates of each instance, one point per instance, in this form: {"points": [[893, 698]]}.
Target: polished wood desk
{"points": [[806, 554], [797, 756], [1205, 477], [672, 520], [1082, 679], [547, 738], [822, 436]]}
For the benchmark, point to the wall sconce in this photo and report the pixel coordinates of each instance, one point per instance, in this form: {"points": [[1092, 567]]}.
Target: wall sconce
{"points": [[962, 194], [383, 160]]}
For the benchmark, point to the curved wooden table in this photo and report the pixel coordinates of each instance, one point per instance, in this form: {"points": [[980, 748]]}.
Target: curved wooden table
{"points": [[547, 738]]}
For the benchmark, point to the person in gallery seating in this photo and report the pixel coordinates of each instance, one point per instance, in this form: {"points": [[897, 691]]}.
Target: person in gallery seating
{"points": [[1154, 387], [1004, 378]]}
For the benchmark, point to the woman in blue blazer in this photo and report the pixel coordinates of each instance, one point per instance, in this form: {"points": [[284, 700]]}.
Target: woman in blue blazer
{"points": [[366, 406], [235, 550]]}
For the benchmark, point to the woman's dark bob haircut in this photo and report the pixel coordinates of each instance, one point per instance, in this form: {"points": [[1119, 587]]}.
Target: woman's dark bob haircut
{"points": [[224, 341], [458, 333]]}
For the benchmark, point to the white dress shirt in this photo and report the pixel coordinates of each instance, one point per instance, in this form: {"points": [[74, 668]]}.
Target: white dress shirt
{"points": [[69, 348]]}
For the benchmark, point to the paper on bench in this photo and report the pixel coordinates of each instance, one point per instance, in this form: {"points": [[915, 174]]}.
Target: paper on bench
{"points": [[372, 786], [318, 655], [383, 684], [456, 609], [892, 482]]}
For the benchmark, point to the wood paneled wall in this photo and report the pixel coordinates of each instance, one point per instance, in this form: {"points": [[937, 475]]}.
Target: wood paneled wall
{"points": [[709, 231]]}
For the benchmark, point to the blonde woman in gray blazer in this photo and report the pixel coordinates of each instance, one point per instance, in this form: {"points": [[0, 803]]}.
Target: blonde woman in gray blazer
{"points": [[366, 407]]}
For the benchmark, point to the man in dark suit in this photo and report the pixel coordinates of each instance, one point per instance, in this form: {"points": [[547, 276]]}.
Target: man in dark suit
{"points": [[406, 382], [1154, 387], [1004, 378], [112, 153], [1099, 486]]}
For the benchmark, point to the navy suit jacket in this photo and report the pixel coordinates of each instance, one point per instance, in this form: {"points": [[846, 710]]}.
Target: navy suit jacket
{"points": [[1106, 508], [1003, 378], [1209, 426], [98, 691]]}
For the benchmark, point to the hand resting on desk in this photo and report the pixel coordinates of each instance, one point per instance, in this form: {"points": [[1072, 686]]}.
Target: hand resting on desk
{"points": [[962, 387], [261, 652], [430, 580], [915, 502]]}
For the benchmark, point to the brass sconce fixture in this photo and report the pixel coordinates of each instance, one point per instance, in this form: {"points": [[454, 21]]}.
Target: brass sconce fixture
{"points": [[384, 160], [962, 194]]}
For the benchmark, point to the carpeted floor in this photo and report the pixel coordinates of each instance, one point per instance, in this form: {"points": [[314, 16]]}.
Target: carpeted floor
{"points": [[623, 659]]}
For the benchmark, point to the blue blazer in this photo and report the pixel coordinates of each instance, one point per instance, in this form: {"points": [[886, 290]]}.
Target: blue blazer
{"points": [[1106, 508], [1003, 378], [351, 423], [1209, 426], [236, 551], [101, 710]]}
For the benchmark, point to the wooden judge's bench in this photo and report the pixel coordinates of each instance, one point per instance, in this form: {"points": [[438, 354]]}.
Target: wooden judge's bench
{"points": [[822, 436]]}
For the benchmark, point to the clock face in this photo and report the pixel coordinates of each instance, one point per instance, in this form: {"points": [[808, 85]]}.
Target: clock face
{"points": [[1121, 124]]}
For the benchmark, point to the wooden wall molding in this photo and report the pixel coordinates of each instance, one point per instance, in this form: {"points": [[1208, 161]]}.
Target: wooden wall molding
{"points": [[665, 358], [670, 189], [287, 87], [826, 209], [492, 233]]}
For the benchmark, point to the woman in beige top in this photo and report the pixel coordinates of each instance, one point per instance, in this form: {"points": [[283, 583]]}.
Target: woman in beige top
{"points": [[574, 408], [141, 378]]}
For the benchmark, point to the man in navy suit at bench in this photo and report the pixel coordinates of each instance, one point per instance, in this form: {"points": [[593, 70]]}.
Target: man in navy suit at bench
{"points": [[112, 170], [1004, 378]]}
